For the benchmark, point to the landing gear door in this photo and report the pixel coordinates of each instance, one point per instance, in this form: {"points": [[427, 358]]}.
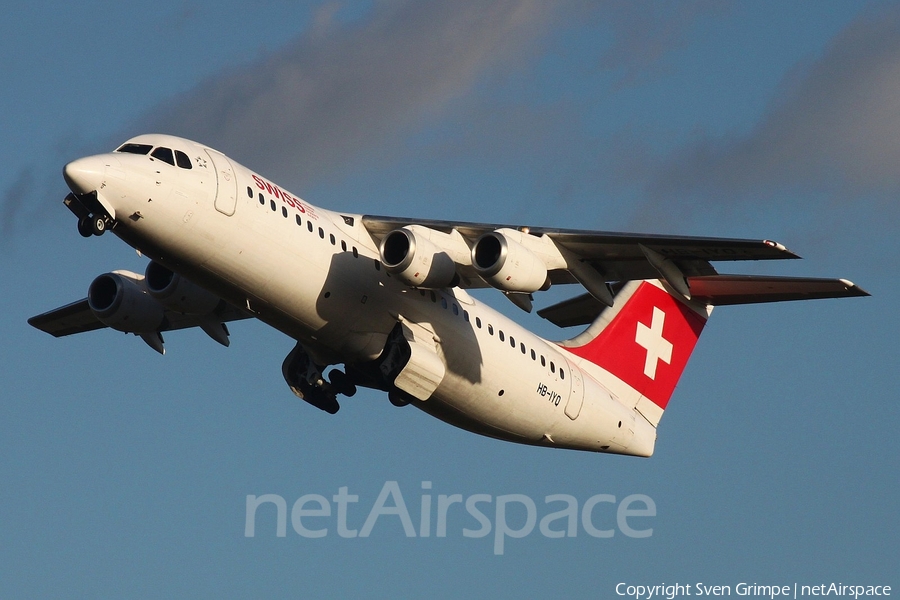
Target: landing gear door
{"points": [[226, 193], [413, 344]]}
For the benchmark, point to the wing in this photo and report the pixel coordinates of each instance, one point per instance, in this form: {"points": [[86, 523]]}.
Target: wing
{"points": [[78, 317], [618, 256], [594, 258]]}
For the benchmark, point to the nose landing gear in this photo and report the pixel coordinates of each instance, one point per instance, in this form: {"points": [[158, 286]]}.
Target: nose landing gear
{"points": [[92, 225], [91, 220]]}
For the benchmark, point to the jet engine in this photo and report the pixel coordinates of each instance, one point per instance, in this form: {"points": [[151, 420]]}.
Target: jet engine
{"points": [[120, 301], [417, 261], [508, 265], [177, 293]]}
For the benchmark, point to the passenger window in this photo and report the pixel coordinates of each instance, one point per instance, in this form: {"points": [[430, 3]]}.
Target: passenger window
{"points": [[512, 341], [272, 205], [299, 222], [490, 329], [185, 163], [262, 200], [321, 233], [502, 337], [522, 347], [165, 155], [552, 367], [533, 355], [343, 243], [543, 361], [443, 303], [478, 322], [309, 226], [562, 374], [249, 192], [331, 238]]}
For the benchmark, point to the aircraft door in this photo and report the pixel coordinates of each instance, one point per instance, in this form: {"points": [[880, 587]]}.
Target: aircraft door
{"points": [[226, 193], [576, 392]]}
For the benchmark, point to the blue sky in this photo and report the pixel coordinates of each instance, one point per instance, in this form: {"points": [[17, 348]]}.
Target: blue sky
{"points": [[126, 474]]}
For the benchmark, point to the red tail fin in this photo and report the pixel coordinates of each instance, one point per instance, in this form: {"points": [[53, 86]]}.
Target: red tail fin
{"points": [[645, 339]]}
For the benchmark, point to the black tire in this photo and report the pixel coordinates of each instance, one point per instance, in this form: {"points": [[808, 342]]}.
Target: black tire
{"points": [[98, 225], [85, 228], [397, 400], [342, 383]]}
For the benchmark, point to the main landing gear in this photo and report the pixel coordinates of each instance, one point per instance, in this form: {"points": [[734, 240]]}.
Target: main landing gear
{"points": [[306, 380]]}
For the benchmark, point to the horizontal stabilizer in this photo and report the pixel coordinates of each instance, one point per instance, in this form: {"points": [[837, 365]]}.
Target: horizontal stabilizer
{"points": [[718, 290], [724, 290]]}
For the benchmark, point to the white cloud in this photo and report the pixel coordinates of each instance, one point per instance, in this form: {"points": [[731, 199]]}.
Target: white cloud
{"points": [[345, 88], [833, 128]]}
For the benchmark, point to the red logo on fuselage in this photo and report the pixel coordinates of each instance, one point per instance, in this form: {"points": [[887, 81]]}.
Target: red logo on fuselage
{"points": [[282, 195]]}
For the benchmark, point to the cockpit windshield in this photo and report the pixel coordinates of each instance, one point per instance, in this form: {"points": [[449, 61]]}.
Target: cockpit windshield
{"points": [[165, 155], [135, 148], [162, 153], [182, 159]]}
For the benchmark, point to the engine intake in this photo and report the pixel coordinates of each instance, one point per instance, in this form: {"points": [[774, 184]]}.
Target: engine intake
{"points": [[507, 265], [177, 293], [120, 301], [417, 261]]}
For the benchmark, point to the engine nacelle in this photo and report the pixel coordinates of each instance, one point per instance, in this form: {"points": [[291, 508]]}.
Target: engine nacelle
{"points": [[508, 265], [177, 293], [417, 261], [120, 301]]}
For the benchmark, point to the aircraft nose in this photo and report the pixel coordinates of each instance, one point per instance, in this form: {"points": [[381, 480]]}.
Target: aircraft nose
{"points": [[85, 175]]}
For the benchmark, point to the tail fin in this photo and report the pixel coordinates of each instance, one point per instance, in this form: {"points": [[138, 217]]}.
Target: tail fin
{"points": [[645, 340]]}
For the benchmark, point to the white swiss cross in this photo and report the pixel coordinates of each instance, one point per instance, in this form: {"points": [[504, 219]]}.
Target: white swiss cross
{"points": [[651, 338]]}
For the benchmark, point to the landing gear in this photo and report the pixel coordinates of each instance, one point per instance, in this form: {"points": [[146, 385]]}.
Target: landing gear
{"points": [[84, 227], [399, 399], [98, 225], [92, 225], [342, 383], [305, 379]]}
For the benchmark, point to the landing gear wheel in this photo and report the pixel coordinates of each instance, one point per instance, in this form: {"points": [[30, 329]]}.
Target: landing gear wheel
{"points": [[85, 228], [397, 400], [98, 225], [324, 400], [341, 383]]}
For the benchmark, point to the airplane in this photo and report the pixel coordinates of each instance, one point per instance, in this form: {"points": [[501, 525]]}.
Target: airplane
{"points": [[383, 303]]}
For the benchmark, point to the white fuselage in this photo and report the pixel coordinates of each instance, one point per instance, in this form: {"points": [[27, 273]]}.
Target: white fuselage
{"points": [[316, 275]]}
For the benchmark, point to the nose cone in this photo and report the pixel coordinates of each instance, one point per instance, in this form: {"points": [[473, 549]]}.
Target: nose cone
{"points": [[85, 175]]}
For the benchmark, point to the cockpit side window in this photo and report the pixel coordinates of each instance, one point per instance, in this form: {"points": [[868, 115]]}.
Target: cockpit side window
{"points": [[135, 148], [182, 159], [164, 154]]}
